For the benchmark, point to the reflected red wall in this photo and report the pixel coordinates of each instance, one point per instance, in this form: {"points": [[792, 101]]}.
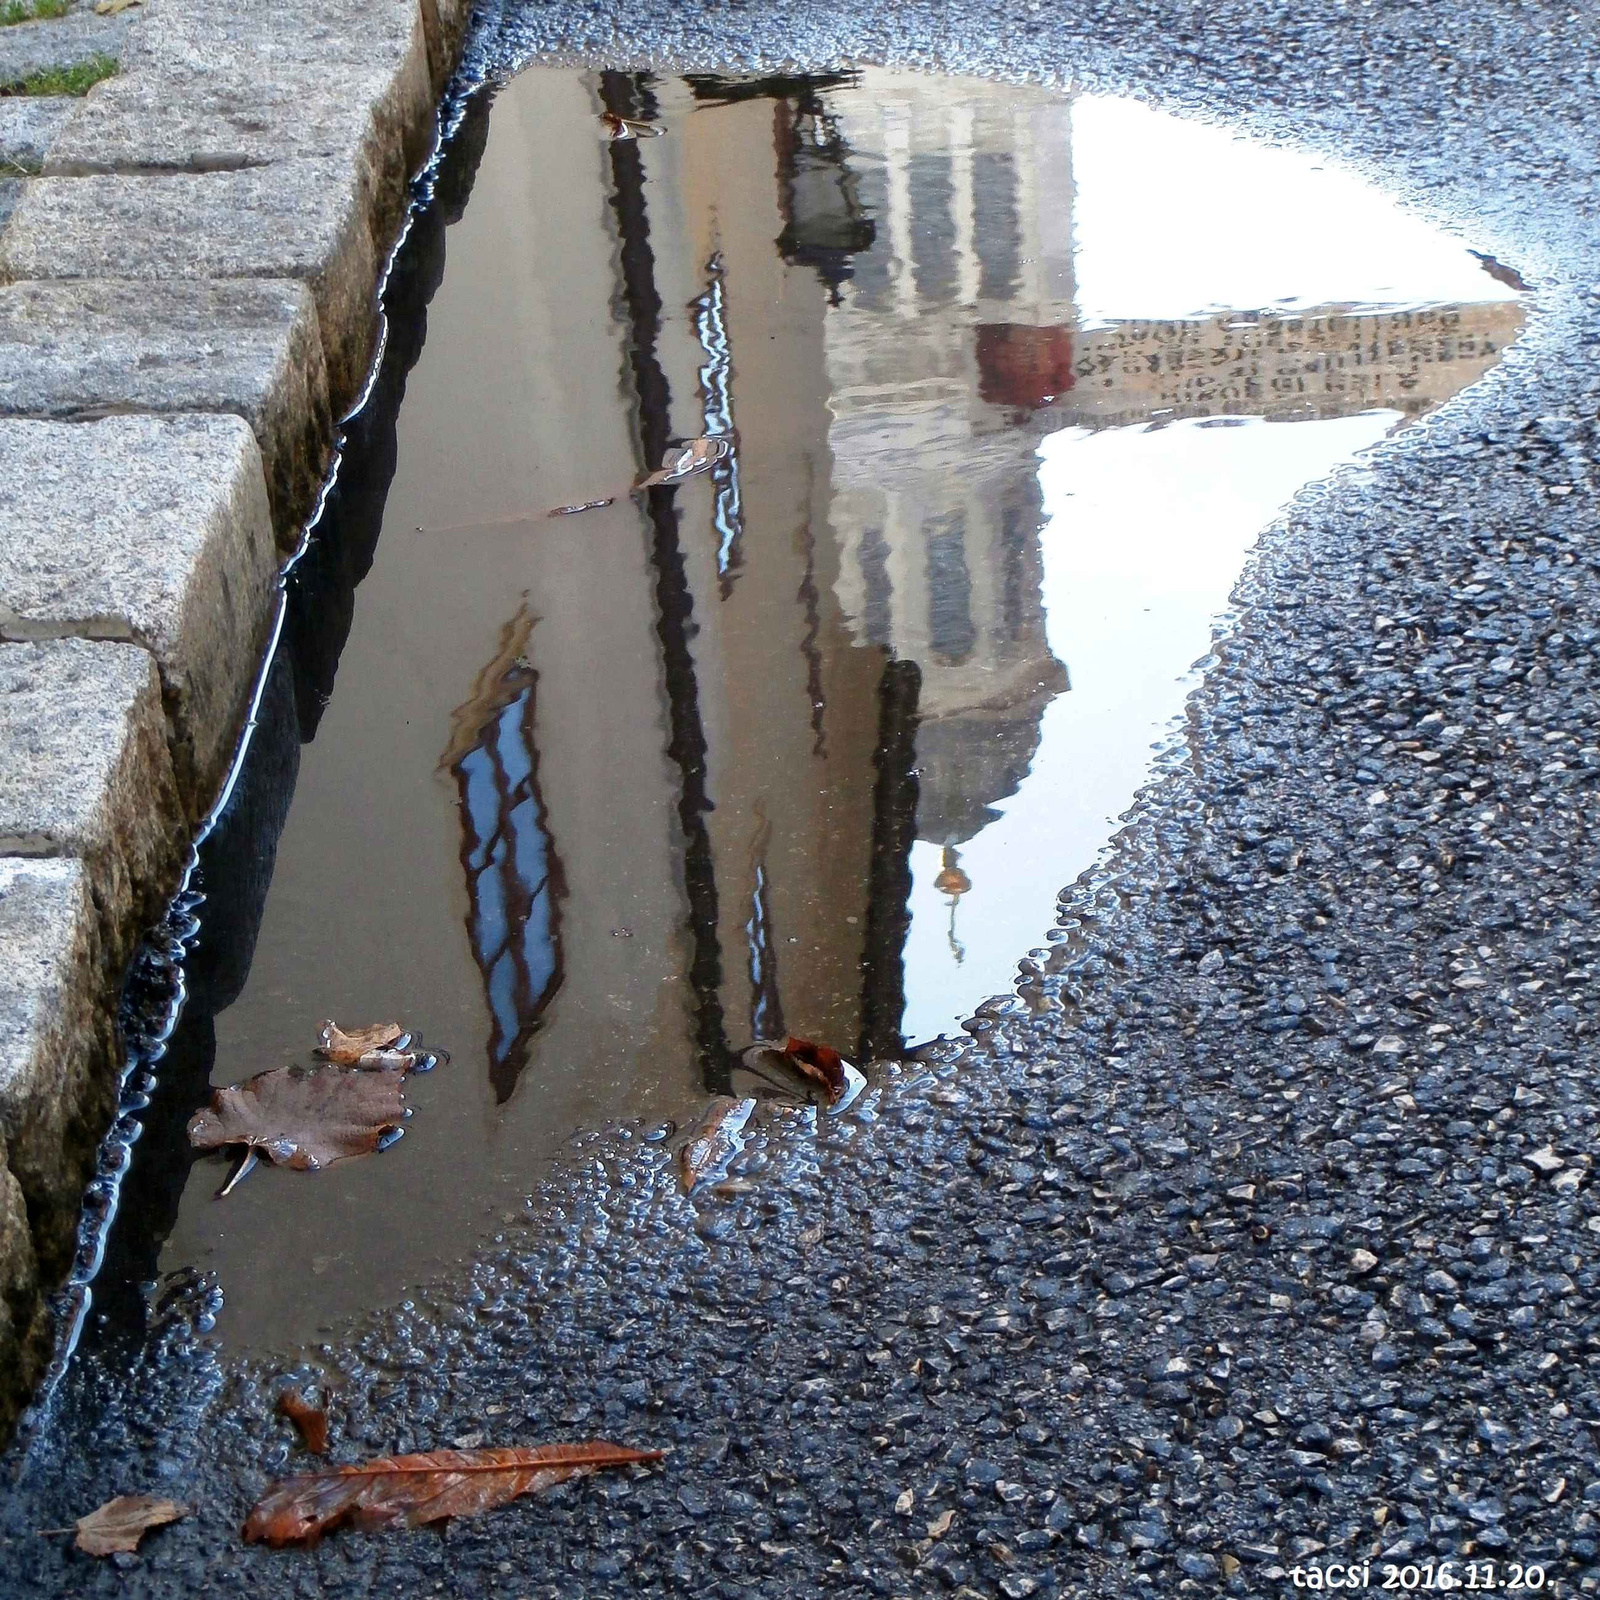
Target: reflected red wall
{"points": [[1023, 366]]}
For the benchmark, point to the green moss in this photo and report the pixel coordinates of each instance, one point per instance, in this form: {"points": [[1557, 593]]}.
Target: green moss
{"points": [[14, 11], [79, 79]]}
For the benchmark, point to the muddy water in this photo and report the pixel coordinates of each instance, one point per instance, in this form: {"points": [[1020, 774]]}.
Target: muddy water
{"points": [[809, 742]]}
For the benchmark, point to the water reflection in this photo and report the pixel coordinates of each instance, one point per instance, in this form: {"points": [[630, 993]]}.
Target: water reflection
{"points": [[514, 883], [809, 742]]}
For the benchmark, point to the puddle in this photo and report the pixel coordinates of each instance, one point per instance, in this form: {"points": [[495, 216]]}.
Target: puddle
{"points": [[810, 741]]}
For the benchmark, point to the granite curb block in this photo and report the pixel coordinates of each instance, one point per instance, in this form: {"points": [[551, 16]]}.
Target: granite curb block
{"points": [[297, 220], [58, 1083], [146, 123], [80, 350], [27, 129], [387, 38], [154, 530], [89, 775], [24, 1326]]}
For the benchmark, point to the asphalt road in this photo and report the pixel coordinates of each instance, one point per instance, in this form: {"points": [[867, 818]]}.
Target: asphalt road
{"points": [[1276, 1245]]}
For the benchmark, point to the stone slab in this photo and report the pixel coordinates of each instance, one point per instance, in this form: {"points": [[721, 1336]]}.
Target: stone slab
{"points": [[24, 1342], [295, 219], [69, 41], [58, 1068], [218, 121], [444, 23], [87, 774], [154, 530], [386, 36], [10, 193], [28, 126], [253, 348]]}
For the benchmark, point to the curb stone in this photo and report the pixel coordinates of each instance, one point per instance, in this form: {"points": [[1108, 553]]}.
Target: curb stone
{"points": [[208, 226], [57, 1060], [73, 351], [153, 530], [187, 303]]}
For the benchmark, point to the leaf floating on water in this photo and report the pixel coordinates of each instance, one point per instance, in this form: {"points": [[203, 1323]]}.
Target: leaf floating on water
{"points": [[121, 1523], [715, 1142], [685, 460], [408, 1491], [816, 1063], [334, 1044], [582, 505], [310, 1421], [629, 128], [304, 1118]]}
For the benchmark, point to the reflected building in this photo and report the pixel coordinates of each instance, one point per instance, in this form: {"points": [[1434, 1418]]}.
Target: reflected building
{"points": [[949, 346], [868, 289]]}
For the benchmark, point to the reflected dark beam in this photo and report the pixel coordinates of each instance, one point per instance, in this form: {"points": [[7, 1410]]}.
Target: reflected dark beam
{"points": [[894, 827], [628, 95]]}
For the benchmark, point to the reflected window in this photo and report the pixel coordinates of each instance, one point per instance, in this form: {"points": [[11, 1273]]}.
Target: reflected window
{"points": [[995, 225], [950, 627], [933, 227], [514, 883]]}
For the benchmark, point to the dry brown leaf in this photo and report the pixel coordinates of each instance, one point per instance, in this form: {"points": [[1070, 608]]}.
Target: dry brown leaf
{"points": [[685, 460], [816, 1063], [629, 127], [304, 1117], [121, 1523], [582, 505], [109, 8], [310, 1420], [716, 1141], [335, 1044], [408, 1491]]}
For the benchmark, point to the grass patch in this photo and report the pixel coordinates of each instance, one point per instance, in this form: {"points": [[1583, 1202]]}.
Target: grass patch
{"points": [[79, 79], [14, 11]]}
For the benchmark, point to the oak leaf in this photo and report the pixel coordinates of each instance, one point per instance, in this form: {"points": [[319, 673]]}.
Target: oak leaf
{"points": [[685, 460], [334, 1044], [121, 1523], [409, 1491], [311, 1421], [304, 1118], [715, 1142], [816, 1063]]}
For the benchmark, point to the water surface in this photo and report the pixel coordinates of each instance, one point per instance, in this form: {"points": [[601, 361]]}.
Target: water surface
{"points": [[810, 742]]}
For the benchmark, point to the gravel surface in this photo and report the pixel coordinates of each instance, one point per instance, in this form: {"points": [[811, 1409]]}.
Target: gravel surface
{"points": [[1272, 1240]]}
